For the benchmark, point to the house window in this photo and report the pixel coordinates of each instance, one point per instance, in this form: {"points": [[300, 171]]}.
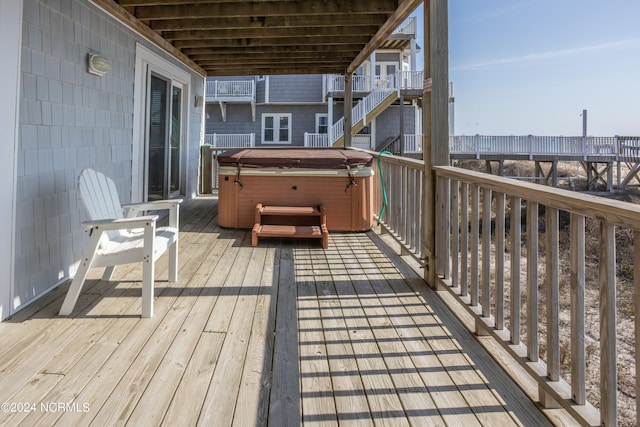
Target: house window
{"points": [[276, 128], [322, 123]]}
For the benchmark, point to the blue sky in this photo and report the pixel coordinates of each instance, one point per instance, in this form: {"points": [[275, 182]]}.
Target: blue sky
{"points": [[531, 67]]}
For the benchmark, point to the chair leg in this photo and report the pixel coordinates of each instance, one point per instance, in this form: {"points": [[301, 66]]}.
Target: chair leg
{"points": [[147, 287], [108, 272], [78, 281], [173, 262], [74, 290]]}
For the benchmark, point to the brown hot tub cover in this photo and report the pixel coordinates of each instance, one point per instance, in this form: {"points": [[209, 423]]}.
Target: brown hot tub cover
{"points": [[328, 158]]}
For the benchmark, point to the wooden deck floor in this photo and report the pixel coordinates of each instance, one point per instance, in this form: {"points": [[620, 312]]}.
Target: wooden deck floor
{"points": [[282, 334]]}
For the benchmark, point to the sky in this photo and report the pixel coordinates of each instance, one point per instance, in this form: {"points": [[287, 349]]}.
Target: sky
{"points": [[531, 67]]}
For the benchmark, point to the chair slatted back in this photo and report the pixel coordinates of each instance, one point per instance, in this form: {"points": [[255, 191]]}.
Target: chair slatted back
{"points": [[99, 196]]}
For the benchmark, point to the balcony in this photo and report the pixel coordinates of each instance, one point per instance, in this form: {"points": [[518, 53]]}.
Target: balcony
{"points": [[225, 92], [230, 91], [408, 83], [284, 333], [287, 333]]}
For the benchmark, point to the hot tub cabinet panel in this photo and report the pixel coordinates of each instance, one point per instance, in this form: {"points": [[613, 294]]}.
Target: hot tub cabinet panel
{"points": [[346, 195]]}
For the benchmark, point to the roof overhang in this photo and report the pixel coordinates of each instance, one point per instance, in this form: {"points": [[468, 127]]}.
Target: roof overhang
{"points": [[223, 37]]}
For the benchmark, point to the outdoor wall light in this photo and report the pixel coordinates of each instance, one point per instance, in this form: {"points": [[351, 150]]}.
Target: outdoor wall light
{"points": [[198, 101], [98, 64]]}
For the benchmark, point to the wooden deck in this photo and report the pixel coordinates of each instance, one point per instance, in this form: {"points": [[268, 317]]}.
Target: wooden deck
{"points": [[282, 334]]}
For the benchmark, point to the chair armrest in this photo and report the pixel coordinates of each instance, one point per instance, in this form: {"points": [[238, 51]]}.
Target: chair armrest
{"points": [[152, 206], [120, 224]]}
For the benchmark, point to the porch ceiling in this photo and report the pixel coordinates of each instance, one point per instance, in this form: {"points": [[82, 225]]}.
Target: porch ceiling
{"points": [[255, 37]]}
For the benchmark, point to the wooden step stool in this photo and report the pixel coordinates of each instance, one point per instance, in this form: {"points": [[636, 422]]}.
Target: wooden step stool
{"points": [[289, 218]]}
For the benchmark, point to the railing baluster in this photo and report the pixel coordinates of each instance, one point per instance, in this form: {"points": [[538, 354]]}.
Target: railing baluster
{"points": [[553, 293], [475, 229], [515, 229], [445, 236], [405, 205], [499, 256], [455, 232], [464, 240], [532, 281], [486, 252], [608, 353], [578, 392]]}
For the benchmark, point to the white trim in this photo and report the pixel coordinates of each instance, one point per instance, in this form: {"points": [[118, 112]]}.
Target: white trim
{"points": [[266, 89], [326, 116], [147, 59], [10, 46], [276, 117]]}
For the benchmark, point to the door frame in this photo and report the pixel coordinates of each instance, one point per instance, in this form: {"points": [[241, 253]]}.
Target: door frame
{"points": [[10, 44], [148, 61]]}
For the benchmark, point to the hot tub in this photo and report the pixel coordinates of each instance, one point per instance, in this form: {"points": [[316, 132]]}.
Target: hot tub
{"points": [[340, 180]]}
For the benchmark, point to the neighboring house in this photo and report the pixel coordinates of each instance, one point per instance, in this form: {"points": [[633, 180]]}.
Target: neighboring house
{"points": [[57, 118], [307, 110]]}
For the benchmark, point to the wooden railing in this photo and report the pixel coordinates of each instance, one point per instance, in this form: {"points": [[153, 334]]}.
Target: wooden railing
{"points": [[615, 148], [360, 83], [491, 243], [229, 90], [409, 26], [402, 189], [315, 140], [228, 140]]}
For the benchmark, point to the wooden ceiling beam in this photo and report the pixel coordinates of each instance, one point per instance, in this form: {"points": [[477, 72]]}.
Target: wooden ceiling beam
{"points": [[258, 22], [262, 50], [318, 9], [259, 42], [270, 33], [252, 71], [133, 3], [268, 61], [293, 56]]}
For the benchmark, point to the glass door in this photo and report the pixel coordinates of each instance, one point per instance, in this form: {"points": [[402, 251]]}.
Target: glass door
{"points": [[164, 138]]}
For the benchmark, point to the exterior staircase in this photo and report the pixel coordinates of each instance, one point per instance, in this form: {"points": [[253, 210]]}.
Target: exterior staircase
{"points": [[367, 109]]}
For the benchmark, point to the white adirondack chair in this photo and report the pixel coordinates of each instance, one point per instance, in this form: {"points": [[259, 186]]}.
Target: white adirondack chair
{"points": [[119, 236]]}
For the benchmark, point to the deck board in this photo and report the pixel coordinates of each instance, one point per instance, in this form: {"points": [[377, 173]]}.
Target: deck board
{"points": [[285, 333]]}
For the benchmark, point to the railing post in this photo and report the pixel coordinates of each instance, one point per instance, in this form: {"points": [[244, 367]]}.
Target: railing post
{"points": [[455, 232], [578, 366], [486, 252], [515, 230], [608, 352], [443, 226], [475, 247], [553, 293], [500, 237], [532, 281], [464, 241]]}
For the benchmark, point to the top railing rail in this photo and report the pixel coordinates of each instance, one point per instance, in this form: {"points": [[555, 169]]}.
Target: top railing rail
{"points": [[231, 89], [615, 148]]}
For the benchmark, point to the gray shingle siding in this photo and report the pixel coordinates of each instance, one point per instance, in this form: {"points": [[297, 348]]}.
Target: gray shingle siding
{"points": [[70, 120], [295, 88], [388, 122]]}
